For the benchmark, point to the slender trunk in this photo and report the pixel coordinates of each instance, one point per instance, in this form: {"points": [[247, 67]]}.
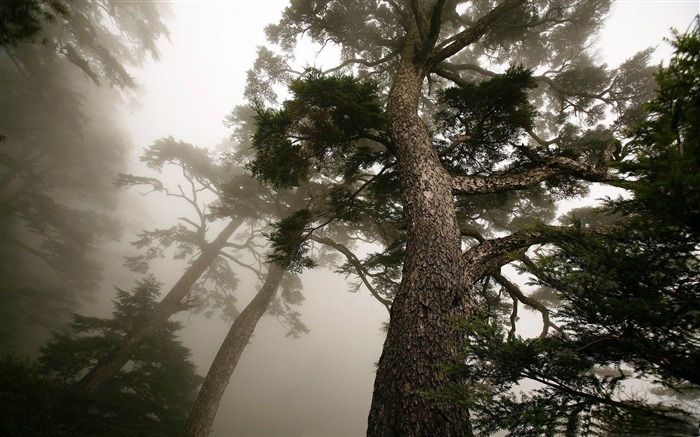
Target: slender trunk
{"points": [[419, 340], [202, 416], [107, 367]]}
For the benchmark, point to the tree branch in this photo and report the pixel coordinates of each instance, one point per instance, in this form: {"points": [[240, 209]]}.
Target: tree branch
{"points": [[355, 262], [482, 259], [472, 34], [364, 62], [517, 294], [558, 165]]}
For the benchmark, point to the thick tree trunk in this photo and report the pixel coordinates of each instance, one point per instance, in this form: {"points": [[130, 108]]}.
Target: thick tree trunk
{"points": [[202, 416], [419, 340], [107, 367]]}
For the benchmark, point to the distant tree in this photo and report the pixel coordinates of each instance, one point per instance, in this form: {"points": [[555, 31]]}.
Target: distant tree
{"points": [[208, 280], [150, 396], [60, 148], [625, 354], [201, 418]]}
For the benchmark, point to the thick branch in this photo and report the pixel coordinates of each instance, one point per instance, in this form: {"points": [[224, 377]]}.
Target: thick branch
{"points": [[555, 166], [472, 34], [433, 31], [364, 62], [488, 256]]}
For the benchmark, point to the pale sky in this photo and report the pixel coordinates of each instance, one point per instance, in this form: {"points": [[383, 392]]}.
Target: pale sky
{"points": [[201, 75], [319, 385]]}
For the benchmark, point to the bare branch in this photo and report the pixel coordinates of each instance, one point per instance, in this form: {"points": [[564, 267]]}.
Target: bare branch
{"points": [[517, 294], [242, 264], [355, 262], [472, 34], [364, 62], [558, 165]]}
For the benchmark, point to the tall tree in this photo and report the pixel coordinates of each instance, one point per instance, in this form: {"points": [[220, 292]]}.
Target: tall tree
{"points": [[60, 146], [481, 114]]}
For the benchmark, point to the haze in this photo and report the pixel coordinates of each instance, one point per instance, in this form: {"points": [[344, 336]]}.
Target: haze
{"points": [[321, 383]]}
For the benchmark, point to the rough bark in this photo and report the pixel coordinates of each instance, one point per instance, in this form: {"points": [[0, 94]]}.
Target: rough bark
{"points": [[517, 181], [418, 341], [436, 276], [201, 418], [107, 367]]}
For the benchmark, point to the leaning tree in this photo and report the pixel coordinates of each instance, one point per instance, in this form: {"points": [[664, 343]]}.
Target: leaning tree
{"points": [[213, 190], [464, 122]]}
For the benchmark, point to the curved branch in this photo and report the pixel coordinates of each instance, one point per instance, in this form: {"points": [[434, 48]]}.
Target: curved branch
{"points": [[364, 62], [472, 34], [517, 294], [355, 262], [556, 166], [482, 259]]}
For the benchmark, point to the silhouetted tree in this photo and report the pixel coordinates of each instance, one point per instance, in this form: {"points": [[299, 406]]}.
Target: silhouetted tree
{"points": [[150, 396], [209, 279], [464, 121]]}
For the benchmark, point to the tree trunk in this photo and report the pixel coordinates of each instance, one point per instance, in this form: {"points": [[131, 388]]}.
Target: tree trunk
{"points": [[419, 341], [107, 367], [202, 416]]}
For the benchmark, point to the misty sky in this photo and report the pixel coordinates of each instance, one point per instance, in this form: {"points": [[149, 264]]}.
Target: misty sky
{"points": [[320, 384]]}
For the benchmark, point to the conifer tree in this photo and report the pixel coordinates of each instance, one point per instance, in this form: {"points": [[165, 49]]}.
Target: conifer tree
{"points": [[63, 68], [626, 350], [149, 396], [463, 122]]}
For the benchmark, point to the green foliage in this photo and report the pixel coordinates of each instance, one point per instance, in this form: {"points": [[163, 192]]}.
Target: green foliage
{"points": [[288, 242], [22, 20], [482, 117], [316, 129], [576, 391], [150, 396], [665, 149], [626, 303]]}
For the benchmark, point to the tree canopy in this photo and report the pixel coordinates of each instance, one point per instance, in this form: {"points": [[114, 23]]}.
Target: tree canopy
{"points": [[626, 348], [487, 114]]}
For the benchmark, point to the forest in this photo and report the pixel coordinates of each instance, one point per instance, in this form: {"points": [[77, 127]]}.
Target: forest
{"points": [[421, 218]]}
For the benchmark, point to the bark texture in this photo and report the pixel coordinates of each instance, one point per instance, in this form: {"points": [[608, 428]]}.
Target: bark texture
{"points": [[202, 416], [418, 341], [437, 277], [107, 367]]}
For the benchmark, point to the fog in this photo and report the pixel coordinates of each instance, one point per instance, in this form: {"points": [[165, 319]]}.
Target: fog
{"points": [[319, 384]]}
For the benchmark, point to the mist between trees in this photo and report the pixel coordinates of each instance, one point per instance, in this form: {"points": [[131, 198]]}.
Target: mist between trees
{"points": [[425, 168]]}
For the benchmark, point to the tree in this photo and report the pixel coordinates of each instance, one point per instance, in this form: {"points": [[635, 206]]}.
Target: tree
{"points": [[201, 418], [481, 114], [151, 396], [626, 304], [60, 147], [209, 277]]}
